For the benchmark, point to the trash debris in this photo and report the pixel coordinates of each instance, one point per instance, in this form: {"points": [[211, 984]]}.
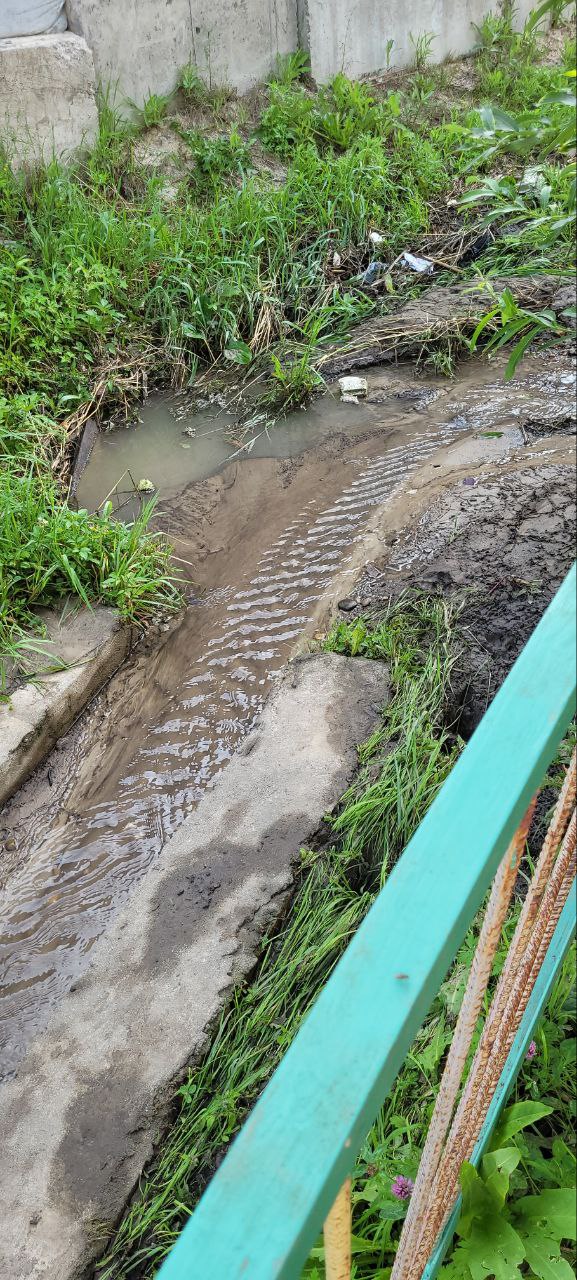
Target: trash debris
{"points": [[375, 237], [373, 272], [336, 259], [352, 387], [476, 248], [470, 480], [422, 265], [533, 179], [145, 486]]}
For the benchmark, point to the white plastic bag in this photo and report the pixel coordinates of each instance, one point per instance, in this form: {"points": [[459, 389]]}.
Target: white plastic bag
{"points": [[31, 17]]}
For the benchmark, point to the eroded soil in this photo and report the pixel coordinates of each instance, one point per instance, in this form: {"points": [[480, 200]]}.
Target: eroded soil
{"points": [[274, 542], [501, 542]]}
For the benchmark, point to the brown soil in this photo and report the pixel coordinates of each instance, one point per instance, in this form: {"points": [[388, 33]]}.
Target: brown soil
{"points": [[501, 544]]}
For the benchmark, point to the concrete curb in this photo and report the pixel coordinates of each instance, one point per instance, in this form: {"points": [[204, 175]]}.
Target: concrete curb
{"points": [[96, 641], [79, 1122]]}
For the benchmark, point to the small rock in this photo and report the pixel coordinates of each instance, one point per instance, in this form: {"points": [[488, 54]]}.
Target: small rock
{"points": [[10, 844], [347, 605], [352, 386], [336, 259]]}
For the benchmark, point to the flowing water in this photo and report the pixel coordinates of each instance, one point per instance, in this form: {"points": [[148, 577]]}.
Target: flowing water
{"points": [[266, 532]]}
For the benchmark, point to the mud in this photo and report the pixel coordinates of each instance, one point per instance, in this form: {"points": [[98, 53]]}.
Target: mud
{"points": [[270, 541], [501, 545], [439, 312]]}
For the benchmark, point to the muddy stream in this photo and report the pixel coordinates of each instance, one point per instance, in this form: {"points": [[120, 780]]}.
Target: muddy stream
{"points": [[261, 535]]}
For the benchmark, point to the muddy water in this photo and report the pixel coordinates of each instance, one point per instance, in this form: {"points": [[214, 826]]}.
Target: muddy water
{"points": [[266, 536]]}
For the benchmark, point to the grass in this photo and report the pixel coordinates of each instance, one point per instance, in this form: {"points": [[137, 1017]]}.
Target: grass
{"points": [[106, 283], [49, 551], [401, 769]]}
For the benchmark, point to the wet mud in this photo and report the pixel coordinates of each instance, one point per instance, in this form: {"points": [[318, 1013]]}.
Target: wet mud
{"points": [[498, 544], [264, 542]]}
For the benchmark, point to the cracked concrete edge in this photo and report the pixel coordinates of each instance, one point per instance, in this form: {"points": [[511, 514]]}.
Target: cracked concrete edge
{"points": [[81, 1118], [36, 715]]}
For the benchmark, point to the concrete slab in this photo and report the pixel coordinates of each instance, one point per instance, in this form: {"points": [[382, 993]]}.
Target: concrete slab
{"points": [[47, 96], [93, 642], [78, 1123]]}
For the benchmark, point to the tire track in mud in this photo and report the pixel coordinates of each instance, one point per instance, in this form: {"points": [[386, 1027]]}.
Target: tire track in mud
{"points": [[83, 868], [167, 724]]}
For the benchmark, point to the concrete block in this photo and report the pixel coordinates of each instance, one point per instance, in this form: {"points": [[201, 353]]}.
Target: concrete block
{"points": [[47, 96], [93, 642]]}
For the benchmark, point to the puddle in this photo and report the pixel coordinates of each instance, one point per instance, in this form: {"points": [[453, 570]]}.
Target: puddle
{"points": [[174, 447], [266, 534]]}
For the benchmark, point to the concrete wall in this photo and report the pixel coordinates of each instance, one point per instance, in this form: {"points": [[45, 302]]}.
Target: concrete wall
{"points": [[47, 96], [139, 46], [352, 35]]}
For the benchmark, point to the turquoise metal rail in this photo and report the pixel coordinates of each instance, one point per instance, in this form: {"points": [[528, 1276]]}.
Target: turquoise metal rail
{"points": [[265, 1207]]}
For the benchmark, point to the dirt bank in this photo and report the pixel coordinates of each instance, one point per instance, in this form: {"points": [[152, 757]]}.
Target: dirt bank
{"points": [[502, 542]]}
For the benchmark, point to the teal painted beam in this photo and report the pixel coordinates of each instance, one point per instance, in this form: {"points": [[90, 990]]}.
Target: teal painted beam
{"points": [[560, 942], [264, 1208]]}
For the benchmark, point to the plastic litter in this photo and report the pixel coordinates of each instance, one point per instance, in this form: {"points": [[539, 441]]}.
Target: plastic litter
{"points": [[476, 247], [336, 259], [373, 272], [375, 237], [422, 265], [533, 179]]}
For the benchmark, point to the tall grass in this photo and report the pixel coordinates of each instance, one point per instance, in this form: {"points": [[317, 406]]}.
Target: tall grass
{"points": [[102, 274]]}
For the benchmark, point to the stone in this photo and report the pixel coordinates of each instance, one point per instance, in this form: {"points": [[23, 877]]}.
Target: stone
{"points": [[352, 386], [47, 96]]}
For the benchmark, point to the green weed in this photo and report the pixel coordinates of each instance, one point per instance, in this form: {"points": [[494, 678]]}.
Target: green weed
{"points": [[48, 551], [216, 160], [154, 109], [422, 46], [507, 322], [291, 67], [292, 383], [190, 83], [508, 70]]}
